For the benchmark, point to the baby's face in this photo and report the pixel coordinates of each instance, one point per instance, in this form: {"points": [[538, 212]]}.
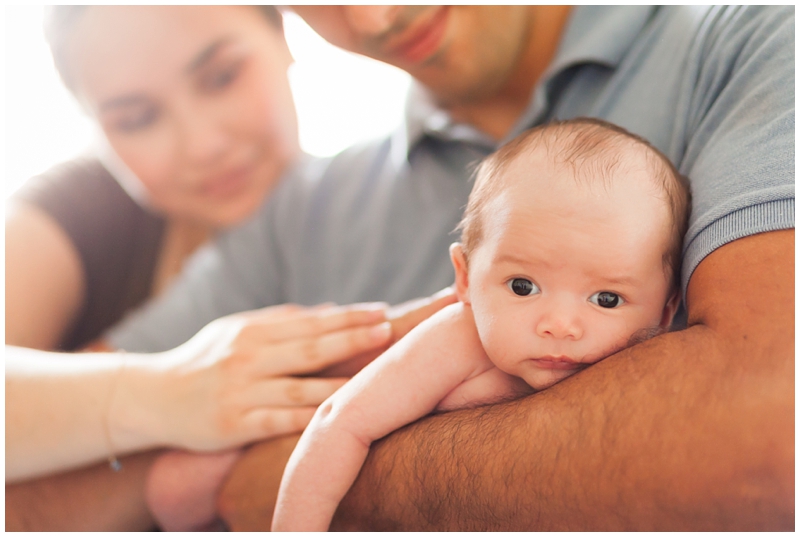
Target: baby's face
{"points": [[565, 274]]}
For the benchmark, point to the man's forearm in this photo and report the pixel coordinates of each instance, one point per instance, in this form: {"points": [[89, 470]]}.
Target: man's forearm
{"points": [[89, 499], [692, 430]]}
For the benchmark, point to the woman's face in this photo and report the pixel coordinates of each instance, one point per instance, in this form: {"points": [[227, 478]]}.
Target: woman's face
{"points": [[195, 100]]}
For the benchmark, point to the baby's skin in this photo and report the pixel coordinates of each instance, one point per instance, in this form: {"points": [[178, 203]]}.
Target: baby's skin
{"points": [[566, 272], [178, 507]]}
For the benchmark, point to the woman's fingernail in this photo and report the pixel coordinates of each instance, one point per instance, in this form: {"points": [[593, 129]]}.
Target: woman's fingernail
{"points": [[381, 332]]}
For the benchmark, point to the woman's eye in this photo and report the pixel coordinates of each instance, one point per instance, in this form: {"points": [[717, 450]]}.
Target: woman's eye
{"points": [[220, 78], [606, 299], [136, 121], [522, 287]]}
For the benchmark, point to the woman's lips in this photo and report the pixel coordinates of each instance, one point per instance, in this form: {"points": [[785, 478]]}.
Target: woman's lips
{"points": [[229, 183], [422, 41]]}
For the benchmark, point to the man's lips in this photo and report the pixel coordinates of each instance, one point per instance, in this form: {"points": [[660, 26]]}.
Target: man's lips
{"points": [[558, 362], [419, 42]]}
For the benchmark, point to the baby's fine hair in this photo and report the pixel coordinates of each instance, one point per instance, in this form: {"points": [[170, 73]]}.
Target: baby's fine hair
{"points": [[594, 150]]}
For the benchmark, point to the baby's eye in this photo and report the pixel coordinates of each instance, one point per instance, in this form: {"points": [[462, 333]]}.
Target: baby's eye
{"points": [[606, 299], [522, 287]]}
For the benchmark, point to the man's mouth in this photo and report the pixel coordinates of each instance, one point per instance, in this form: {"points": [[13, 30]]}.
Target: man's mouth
{"points": [[421, 40]]}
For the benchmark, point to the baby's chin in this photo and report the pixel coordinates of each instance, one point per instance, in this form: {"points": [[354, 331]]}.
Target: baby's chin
{"points": [[543, 378]]}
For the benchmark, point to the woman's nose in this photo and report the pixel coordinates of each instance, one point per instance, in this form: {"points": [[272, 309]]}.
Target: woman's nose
{"points": [[202, 138], [371, 20], [559, 321]]}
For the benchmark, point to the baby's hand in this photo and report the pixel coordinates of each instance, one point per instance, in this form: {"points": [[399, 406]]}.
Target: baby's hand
{"points": [[181, 488]]}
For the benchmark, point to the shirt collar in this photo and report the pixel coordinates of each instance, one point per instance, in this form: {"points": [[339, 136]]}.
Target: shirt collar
{"points": [[585, 40]]}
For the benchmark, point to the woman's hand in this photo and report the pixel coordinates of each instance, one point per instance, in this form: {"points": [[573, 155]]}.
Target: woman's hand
{"points": [[238, 379]]}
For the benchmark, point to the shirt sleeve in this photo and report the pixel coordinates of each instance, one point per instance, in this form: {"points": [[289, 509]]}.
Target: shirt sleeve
{"points": [[739, 153]]}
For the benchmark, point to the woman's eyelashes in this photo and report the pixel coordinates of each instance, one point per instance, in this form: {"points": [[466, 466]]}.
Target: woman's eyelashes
{"points": [[217, 79], [522, 286], [135, 120]]}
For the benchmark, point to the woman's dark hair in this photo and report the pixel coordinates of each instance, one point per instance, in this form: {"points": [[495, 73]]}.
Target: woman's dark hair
{"points": [[60, 20]]}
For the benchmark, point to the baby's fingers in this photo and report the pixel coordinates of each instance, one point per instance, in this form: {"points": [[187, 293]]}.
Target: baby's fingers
{"points": [[308, 355]]}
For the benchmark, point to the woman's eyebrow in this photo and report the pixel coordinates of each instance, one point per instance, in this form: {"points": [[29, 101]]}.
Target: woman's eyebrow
{"points": [[207, 53]]}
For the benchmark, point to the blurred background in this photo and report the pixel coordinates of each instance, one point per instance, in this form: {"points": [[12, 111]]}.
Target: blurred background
{"points": [[44, 125]]}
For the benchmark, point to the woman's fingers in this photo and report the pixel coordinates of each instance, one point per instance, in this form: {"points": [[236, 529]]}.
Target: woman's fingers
{"points": [[262, 423], [325, 320], [310, 354], [291, 392], [315, 321]]}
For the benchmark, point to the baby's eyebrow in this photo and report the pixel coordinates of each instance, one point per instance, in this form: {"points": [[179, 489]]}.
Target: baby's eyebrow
{"points": [[513, 259], [622, 280]]}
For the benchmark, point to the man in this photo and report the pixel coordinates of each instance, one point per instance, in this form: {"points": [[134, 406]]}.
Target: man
{"points": [[692, 430]]}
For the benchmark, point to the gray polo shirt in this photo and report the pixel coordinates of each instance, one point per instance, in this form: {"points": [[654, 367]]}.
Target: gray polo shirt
{"points": [[713, 88]]}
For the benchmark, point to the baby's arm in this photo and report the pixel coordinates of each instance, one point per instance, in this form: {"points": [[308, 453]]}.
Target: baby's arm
{"points": [[402, 385]]}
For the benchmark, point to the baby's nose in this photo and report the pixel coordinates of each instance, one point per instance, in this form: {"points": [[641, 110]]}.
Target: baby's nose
{"points": [[560, 322]]}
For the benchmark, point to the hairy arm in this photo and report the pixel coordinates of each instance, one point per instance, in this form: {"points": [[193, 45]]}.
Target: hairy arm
{"points": [[692, 430]]}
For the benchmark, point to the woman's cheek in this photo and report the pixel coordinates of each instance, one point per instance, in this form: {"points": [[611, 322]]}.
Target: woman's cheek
{"points": [[152, 164]]}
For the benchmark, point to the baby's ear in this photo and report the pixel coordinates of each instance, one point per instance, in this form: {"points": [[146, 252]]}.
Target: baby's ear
{"points": [[670, 308], [460, 266]]}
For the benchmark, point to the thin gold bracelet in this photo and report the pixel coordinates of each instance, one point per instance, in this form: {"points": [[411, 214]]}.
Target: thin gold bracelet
{"points": [[113, 461]]}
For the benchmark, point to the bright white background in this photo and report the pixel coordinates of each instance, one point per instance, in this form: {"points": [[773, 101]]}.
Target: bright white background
{"points": [[341, 98]]}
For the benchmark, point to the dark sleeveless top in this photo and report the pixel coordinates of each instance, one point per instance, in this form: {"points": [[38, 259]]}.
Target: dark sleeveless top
{"points": [[117, 240]]}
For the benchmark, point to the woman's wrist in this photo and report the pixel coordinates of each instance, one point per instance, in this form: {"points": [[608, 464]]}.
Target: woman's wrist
{"points": [[137, 410]]}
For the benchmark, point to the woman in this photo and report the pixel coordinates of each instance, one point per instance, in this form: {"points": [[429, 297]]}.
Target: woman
{"points": [[199, 124], [195, 107]]}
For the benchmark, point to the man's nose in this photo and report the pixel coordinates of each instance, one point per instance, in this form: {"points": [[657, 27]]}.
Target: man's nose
{"points": [[560, 321], [371, 20]]}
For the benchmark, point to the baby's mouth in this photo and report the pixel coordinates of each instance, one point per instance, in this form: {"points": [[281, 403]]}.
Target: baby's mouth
{"points": [[558, 362]]}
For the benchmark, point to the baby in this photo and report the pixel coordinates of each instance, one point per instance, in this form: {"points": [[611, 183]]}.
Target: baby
{"points": [[570, 252]]}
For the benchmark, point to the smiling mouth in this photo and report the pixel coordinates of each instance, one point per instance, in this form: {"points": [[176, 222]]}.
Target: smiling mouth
{"points": [[421, 42], [229, 183]]}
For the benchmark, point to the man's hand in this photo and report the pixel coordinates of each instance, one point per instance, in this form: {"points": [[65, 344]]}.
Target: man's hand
{"points": [[692, 430]]}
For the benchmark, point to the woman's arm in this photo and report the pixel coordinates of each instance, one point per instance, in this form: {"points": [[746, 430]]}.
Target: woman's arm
{"points": [[234, 382], [88, 499], [45, 283]]}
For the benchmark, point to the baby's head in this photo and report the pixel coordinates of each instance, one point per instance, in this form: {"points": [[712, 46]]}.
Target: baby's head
{"points": [[571, 246]]}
